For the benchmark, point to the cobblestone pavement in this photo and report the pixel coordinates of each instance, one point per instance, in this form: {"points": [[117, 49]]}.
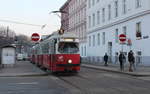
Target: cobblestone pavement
{"points": [[87, 81]]}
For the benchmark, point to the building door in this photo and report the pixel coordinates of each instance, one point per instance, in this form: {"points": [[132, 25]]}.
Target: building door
{"points": [[110, 51]]}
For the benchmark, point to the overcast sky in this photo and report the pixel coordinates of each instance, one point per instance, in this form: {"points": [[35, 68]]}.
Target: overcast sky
{"points": [[32, 12]]}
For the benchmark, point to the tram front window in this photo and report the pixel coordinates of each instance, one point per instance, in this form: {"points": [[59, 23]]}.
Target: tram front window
{"points": [[68, 47]]}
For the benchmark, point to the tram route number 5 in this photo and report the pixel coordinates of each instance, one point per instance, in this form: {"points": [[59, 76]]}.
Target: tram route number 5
{"points": [[35, 37]]}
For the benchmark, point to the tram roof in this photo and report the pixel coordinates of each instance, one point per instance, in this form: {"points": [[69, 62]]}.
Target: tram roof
{"points": [[65, 35]]}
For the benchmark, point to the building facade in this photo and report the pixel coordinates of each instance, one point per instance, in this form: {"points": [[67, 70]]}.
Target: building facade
{"points": [[107, 19], [76, 10], [65, 16]]}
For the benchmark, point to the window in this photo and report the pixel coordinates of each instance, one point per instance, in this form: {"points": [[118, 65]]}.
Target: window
{"points": [[85, 51], [89, 41], [89, 21], [93, 2], [109, 12], [79, 33], [68, 47], [98, 38], [124, 7], [103, 38], [116, 8], [125, 30], [93, 19], [82, 51], [103, 14], [138, 3], [117, 36], [93, 40], [138, 30], [98, 17], [89, 3]]}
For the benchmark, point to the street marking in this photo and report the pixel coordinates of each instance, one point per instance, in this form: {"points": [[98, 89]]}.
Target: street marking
{"points": [[54, 78], [32, 83]]}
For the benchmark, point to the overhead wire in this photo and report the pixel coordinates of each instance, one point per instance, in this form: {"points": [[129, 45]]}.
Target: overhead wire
{"points": [[17, 22]]}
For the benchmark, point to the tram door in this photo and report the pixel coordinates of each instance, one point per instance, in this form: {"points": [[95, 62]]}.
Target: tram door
{"points": [[110, 51]]}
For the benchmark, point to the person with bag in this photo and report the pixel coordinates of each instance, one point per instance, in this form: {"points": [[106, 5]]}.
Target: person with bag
{"points": [[131, 60], [121, 60]]}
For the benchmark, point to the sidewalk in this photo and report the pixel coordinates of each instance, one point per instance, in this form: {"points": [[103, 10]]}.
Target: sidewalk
{"points": [[20, 69], [140, 69]]}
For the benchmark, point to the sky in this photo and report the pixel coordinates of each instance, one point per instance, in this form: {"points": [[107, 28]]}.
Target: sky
{"points": [[32, 12]]}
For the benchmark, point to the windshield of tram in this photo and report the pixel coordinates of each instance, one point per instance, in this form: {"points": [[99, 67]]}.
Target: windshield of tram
{"points": [[68, 47]]}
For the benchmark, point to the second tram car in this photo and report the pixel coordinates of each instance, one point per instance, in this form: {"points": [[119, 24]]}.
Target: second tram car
{"points": [[58, 53]]}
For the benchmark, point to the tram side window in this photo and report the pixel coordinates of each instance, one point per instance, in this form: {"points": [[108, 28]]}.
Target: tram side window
{"points": [[52, 48], [45, 48]]}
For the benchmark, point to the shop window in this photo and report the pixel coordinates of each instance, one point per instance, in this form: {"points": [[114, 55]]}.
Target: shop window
{"points": [[138, 31]]}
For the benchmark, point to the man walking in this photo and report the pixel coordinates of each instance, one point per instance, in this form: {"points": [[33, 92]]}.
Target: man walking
{"points": [[121, 60], [131, 60], [105, 59]]}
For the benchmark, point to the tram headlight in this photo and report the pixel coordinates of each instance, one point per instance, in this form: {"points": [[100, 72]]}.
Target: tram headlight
{"points": [[69, 61]]}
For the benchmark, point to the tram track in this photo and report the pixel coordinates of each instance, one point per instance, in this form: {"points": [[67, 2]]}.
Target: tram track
{"points": [[81, 81], [75, 84]]}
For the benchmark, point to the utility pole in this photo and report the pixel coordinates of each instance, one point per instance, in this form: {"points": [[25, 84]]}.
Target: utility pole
{"points": [[7, 31]]}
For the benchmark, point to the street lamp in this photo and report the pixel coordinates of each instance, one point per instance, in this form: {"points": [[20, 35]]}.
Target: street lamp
{"points": [[59, 11], [61, 31]]}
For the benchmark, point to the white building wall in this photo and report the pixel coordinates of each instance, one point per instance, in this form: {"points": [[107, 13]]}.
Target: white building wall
{"points": [[77, 21], [133, 15]]}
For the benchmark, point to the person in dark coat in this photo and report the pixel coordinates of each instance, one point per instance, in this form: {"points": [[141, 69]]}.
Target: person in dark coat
{"points": [[131, 60], [106, 59], [121, 60]]}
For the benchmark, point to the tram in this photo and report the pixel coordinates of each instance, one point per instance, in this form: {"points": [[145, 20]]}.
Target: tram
{"points": [[58, 53]]}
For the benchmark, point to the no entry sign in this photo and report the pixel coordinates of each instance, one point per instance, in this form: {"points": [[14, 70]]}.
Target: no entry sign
{"points": [[122, 37], [35, 37]]}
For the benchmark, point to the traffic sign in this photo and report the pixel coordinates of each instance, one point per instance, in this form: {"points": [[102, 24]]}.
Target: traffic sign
{"points": [[61, 31], [122, 37], [35, 37]]}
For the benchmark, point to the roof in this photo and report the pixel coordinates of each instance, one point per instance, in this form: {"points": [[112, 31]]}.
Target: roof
{"points": [[7, 46]]}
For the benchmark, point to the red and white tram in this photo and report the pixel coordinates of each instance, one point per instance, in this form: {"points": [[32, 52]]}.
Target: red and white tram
{"points": [[58, 53]]}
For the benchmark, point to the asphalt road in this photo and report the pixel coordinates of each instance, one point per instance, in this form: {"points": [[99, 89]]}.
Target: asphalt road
{"points": [[88, 81]]}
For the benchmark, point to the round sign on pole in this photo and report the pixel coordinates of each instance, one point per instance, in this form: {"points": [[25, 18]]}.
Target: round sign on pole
{"points": [[35, 37], [122, 38]]}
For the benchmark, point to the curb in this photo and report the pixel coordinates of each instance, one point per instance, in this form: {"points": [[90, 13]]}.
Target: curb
{"points": [[25, 75], [110, 70]]}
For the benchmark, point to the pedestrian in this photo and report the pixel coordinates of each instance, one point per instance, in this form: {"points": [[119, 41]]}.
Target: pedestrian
{"points": [[121, 60], [106, 59], [116, 58], [134, 65], [131, 60]]}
